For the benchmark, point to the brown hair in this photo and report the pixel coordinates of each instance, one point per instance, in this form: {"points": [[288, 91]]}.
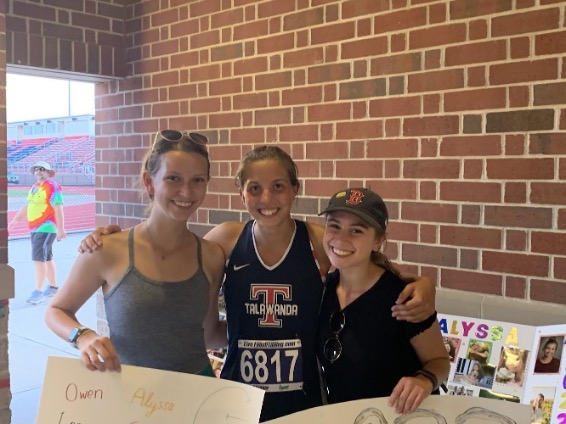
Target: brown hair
{"points": [[152, 160], [379, 258], [551, 340], [263, 153]]}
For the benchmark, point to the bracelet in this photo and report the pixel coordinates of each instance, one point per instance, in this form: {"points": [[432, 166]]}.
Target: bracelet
{"points": [[429, 376]]}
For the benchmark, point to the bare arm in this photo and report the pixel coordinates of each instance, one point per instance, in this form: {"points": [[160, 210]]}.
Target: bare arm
{"points": [[86, 276], [214, 328], [416, 302], [411, 391], [60, 220], [316, 233], [18, 217]]}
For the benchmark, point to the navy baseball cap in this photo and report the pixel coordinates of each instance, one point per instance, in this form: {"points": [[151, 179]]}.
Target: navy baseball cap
{"points": [[362, 202]]}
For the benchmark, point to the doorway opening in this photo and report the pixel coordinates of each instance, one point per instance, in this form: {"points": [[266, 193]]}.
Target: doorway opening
{"points": [[49, 120]]}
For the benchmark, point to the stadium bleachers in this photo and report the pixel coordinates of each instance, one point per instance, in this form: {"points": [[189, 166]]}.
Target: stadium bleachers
{"points": [[73, 154]]}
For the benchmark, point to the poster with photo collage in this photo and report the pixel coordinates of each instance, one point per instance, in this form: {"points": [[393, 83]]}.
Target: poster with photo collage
{"points": [[509, 362]]}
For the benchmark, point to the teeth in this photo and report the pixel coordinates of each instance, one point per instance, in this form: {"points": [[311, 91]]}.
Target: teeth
{"points": [[341, 252], [182, 204], [268, 212]]}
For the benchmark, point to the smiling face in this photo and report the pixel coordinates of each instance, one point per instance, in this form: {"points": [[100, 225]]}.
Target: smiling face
{"points": [[179, 185], [348, 240], [267, 192], [549, 349]]}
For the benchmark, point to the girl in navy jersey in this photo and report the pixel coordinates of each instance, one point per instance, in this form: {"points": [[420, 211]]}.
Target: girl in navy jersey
{"points": [[365, 352], [275, 273]]}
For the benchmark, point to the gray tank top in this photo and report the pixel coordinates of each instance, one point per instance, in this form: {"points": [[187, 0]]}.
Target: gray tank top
{"points": [[157, 324]]}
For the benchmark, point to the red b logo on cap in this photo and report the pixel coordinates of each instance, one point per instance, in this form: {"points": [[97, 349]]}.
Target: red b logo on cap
{"points": [[355, 197]]}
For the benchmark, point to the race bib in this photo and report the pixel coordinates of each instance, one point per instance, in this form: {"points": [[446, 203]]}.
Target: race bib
{"points": [[271, 365]]}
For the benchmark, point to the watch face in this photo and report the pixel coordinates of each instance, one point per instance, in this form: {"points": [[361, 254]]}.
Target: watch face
{"points": [[74, 335]]}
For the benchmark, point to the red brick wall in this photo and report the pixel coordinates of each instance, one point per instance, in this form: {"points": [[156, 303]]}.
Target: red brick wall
{"points": [[453, 110], [79, 36]]}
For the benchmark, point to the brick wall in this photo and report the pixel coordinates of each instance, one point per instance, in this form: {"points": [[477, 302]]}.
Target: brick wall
{"points": [[453, 110], [76, 36]]}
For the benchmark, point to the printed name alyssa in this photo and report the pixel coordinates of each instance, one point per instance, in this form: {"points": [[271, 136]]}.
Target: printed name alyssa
{"points": [[480, 331]]}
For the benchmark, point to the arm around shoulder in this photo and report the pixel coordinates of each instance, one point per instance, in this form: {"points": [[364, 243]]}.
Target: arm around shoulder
{"points": [[417, 301]]}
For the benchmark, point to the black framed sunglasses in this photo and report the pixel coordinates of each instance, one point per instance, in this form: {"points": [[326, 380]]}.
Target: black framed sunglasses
{"points": [[176, 136], [39, 168], [333, 346]]}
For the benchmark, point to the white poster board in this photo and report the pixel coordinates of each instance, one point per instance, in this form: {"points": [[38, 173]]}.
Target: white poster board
{"points": [[499, 360], [433, 410], [73, 394]]}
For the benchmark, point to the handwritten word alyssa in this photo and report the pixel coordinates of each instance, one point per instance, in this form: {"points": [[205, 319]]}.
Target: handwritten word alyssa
{"points": [[480, 331], [146, 400]]}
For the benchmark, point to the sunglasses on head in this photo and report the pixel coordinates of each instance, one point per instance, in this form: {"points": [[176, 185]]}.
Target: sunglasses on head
{"points": [[39, 168], [333, 346], [174, 136]]}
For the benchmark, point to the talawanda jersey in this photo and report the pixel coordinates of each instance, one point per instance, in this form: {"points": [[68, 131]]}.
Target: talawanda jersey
{"points": [[272, 315]]}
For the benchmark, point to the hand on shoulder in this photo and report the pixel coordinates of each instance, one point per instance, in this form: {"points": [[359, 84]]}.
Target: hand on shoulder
{"points": [[93, 241]]}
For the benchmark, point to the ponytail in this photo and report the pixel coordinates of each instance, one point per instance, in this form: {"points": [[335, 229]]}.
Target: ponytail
{"points": [[383, 261]]}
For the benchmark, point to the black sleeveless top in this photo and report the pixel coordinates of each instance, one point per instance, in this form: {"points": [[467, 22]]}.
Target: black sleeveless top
{"points": [[272, 314]]}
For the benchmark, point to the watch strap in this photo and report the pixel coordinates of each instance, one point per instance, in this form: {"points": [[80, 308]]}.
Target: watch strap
{"points": [[76, 335], [429, 376]]}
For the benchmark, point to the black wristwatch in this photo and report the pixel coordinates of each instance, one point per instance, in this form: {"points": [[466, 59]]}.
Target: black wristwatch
{"points": [[76, 334]]}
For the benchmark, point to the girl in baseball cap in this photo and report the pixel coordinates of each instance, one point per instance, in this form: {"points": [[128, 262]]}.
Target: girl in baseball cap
{"points": [[365, 352]]}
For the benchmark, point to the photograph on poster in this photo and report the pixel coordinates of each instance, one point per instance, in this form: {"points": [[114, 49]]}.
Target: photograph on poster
{"points": [[490, 394], [452, 345], [479, 350], [473, 372], [512, 365], [454, 390], [542, 400], [549, 354]]}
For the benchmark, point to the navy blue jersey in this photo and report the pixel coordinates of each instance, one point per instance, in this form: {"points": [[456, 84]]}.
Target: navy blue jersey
{"points": [[272, 315]]}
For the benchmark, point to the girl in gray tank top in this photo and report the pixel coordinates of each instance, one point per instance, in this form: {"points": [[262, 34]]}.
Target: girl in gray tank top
{"points": [[160, 282], [170, 341]]}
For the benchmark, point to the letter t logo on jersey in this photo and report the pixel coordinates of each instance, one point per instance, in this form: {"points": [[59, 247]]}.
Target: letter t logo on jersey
{"points": [[355, 197], [270, 293]]}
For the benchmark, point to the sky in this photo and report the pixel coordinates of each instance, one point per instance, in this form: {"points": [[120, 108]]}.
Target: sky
{"points": [[29, 97]]}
